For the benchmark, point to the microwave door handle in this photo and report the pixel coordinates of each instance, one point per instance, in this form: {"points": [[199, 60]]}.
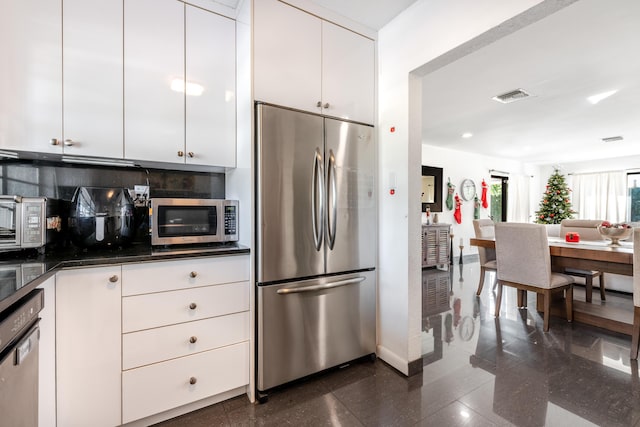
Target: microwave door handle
{"points": [[332, 200], [317, 194], [324, 286]]}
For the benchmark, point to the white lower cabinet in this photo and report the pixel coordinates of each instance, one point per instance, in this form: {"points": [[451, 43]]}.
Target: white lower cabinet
{"points": [[47, 357], [186, 328], [88, 346], [162, 386], [126, 350]]}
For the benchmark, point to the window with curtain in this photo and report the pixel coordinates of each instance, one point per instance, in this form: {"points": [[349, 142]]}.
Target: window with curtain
{"points": [[601, 195], [518, 209]]}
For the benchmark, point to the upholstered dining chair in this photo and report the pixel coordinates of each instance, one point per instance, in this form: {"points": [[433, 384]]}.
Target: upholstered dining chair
{"points": [[485, 228], [635, 335], [524, 262], [588, 230]]}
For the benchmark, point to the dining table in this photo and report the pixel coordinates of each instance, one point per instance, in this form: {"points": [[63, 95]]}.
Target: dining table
{"points": [[589, 255]]}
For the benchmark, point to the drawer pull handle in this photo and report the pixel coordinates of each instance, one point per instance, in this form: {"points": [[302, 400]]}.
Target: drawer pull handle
{"points": [[193, 274], [193, 380], [180, 153], [193, 339], [190, 153], [192, 306], [113, 279]]}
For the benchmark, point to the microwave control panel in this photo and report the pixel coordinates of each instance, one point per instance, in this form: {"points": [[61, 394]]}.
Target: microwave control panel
{"points": [[230, 220], [33, 230]]}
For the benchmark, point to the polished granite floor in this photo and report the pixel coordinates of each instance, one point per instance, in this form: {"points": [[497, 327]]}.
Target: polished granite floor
{"points": [[478, 371]]}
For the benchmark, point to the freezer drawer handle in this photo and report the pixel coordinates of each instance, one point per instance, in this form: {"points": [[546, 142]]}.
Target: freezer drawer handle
{"points": [[324, 286]]}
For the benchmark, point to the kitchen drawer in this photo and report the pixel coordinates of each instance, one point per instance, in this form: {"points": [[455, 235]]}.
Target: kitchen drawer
{"points": [[169, 308], [160, 344], [156, 388], [161, 276]]}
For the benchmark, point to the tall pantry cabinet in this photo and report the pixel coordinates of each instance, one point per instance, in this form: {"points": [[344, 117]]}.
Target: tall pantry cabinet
{"points": [[307, 63]]}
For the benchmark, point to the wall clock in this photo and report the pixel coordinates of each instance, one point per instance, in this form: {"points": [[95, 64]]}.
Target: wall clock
{"points": [[468, 189]]}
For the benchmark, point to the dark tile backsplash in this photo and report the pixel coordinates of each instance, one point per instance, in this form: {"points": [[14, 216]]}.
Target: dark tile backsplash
{"points": [[59, 180]]}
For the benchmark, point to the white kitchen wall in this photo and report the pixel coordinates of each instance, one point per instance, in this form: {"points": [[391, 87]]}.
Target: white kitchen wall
{"points": [[426, 30]]}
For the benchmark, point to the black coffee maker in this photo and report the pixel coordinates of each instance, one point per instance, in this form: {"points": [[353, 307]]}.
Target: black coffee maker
{"points": [[101, 217]]}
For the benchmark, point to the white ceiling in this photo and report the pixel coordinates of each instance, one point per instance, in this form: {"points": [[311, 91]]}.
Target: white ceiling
{"points": [[374, 14], [587, 48]]}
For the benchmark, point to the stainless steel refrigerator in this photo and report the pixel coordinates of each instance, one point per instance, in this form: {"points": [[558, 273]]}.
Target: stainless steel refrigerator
{"points": [[316, 243]]}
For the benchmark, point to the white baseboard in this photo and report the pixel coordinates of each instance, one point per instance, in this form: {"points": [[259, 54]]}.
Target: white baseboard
{"points": [[393, 359]]}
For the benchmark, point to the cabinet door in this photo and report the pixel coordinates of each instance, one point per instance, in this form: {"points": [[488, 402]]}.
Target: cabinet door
{"points": [[47, 357], [92, 54], [287, 56], [348, 68], [31, 75], [154, 80], [210, 48], [88, 346]]}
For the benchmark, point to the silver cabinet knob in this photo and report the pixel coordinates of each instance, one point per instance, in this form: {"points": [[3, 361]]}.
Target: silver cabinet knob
{"points": [[113, 279], [68, 143], [193, 380], [193, 306], [190, 153], [326, 105], [180, 153], [193, 339], [193, 274], [54, 141]]}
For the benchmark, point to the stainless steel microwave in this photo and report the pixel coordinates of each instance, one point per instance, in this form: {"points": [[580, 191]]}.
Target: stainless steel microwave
{"points": [[22, 222], [190, 221]]}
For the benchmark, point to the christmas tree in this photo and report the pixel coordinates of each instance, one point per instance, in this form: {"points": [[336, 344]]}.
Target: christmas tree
{"points": [[555, 205]]}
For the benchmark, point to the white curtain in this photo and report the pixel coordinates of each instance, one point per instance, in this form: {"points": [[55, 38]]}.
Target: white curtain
{"points": [[518, 198], [600, 196]]}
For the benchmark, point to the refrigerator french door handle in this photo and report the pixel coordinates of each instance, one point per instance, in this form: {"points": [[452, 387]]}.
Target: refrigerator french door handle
{"points": [[324, 286], [332, 200], [317, 186]]}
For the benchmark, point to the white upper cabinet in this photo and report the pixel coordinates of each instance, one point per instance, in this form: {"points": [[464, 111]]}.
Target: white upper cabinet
{"points": [[304, 62], [31, 75], [210, 63], [92, 58], [154, 80], [179, 84], [287, 62], [348, 67]]}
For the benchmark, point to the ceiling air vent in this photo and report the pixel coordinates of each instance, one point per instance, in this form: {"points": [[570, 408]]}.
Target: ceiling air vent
{"points": [[612, 139], [512, 96]]}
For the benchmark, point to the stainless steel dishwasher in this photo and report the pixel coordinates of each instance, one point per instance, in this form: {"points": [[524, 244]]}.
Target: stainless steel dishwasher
{"points": [[19, 335]]}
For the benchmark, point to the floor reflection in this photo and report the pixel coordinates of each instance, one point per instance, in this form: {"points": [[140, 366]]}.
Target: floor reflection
{"points": [[573, 374]]}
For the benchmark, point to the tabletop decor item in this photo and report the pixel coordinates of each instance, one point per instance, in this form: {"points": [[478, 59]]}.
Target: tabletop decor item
{"points": [[615, 232], [572, 237]]}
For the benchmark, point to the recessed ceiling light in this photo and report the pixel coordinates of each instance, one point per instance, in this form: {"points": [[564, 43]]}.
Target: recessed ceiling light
{"points": [[594, 99], [467, 135]]}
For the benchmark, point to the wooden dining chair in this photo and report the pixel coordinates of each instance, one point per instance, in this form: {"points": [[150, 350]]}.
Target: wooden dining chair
{"points": [[524, 262], [588, 230], [635, 335], [485, 228]]}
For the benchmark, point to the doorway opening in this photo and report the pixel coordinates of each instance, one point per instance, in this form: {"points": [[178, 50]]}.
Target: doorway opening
{"points": [[499, 188]]}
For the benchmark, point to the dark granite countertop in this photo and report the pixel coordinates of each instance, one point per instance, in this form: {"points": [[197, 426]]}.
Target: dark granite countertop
{"points": [[43, 266]]}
